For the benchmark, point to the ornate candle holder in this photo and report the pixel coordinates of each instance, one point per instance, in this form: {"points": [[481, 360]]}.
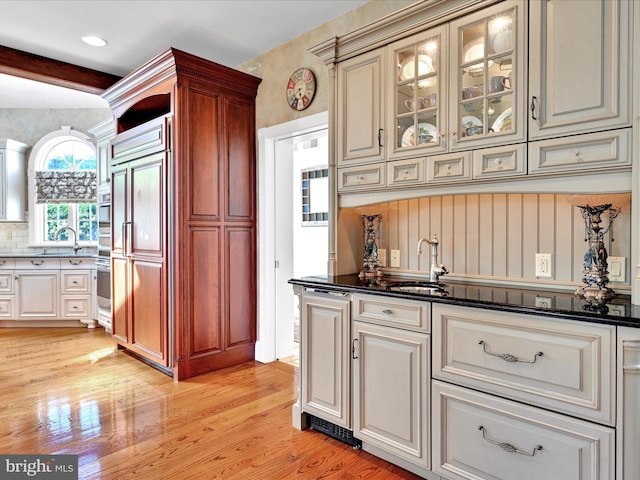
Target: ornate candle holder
{"points": [[371, 229], [595, 273]]}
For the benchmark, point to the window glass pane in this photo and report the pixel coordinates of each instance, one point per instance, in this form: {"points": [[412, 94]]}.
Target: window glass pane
{"points": [[71, 154], [57, 216], [87, 222]]}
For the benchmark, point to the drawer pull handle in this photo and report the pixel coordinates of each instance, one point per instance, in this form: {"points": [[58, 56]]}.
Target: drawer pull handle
{"points": [[33, 262], [387, 311], [74, 262], [507, 357], [353, 349], [507, 447]]}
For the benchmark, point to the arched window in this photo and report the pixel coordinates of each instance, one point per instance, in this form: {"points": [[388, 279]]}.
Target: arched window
{"points": [[62, 188]]}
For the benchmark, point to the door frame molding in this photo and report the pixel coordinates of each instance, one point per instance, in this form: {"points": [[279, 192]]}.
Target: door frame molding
{"points": [[267, 137]]}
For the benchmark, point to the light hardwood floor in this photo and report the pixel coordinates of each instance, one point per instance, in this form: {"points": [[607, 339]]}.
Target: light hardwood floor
{"points": [[67, 390]]}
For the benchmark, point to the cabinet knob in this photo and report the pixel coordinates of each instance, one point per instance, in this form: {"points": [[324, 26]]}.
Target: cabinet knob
{"points": [[75, 282], [575, 153]]}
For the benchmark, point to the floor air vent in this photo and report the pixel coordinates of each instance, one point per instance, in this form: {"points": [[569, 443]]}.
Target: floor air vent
{"points": [[334, 431]]}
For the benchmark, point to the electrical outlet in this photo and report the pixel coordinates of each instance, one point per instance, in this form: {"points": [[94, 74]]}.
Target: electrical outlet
{"points": [[617, 269], [395, 259], [382, 257], [543, 302], [544, 265]]}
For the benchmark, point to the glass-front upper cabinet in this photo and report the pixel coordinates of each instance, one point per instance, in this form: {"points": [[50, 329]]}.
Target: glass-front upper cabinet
{"points": [[488, 70], [418, 74]]}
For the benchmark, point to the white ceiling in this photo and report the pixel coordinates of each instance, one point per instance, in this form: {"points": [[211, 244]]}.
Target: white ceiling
{"points": [[228, 32]]}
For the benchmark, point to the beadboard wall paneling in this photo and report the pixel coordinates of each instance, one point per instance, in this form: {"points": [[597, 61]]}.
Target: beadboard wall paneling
{"points": [[495, 235]]}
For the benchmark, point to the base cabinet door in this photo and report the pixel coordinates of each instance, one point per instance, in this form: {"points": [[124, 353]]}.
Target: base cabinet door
{"points": [[391, 391], [37, 295], [480, 436], [326, 374]]}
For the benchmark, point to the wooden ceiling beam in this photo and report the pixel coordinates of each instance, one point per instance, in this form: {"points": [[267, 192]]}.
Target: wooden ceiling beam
{"points": [[54, 72]]}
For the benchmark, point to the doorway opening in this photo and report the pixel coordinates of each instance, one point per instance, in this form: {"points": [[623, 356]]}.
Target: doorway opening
{"points": [[293, 227]]}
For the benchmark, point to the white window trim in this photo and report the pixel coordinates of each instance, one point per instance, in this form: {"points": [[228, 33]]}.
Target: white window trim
{"points": [[36, 212]]}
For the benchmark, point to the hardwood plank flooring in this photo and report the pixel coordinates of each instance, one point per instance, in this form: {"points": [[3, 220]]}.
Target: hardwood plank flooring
{"points": [[68, 390]]}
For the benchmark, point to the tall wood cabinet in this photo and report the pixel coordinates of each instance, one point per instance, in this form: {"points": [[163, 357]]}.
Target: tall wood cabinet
{"points": [[184, 213]]}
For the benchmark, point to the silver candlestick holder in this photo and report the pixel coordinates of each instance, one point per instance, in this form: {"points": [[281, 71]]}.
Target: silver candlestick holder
{"points": [[370, 267], [595, 273]]}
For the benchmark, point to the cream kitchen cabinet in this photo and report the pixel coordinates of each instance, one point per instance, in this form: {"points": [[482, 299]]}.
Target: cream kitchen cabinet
{"points": [[391, 379], [7, 291], [13, 180], [47, 290], [487, 77], [567, 368], [478, 436], [102, 133], [37, 292], [325, 380], [580, 66], [360, 118]]}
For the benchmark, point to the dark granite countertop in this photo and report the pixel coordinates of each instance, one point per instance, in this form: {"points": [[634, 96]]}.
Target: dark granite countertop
{"points": [[565, 305], [49, 254]]}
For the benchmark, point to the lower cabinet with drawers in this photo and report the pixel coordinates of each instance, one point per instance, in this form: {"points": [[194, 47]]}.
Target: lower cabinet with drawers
{"points": [[457, 392], [46, 291], [522, 396]]}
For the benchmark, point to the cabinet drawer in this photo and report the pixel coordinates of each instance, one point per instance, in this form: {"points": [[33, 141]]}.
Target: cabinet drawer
{"points": [[38, 263], [6, 307], [510, 160], [76, 281], [76, 307], [7, 264], [570, 448], [564, 365], [6, 282], [355, 178], [405, 172], [77, 262], [452, 167], [581, 152], [408, 314]]}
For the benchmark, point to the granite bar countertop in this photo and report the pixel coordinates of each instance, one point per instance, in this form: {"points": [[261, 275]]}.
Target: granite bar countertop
{"points": [[49, 254], [618, 311]]}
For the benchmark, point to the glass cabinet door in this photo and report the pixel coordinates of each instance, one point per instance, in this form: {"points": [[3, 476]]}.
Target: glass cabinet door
{"points": [[488, 51], [419, 99]]}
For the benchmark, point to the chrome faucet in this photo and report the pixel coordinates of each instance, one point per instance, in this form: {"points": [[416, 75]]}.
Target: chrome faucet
{"points": [[435, 271], [76, 247]]}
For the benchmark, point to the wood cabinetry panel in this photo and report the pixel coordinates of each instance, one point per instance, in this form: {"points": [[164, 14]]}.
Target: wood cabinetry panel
{"points": [[204, 166], [240, 161], [119, 298], [240, 287], [205, 302], [145, 232], [148, 307]]}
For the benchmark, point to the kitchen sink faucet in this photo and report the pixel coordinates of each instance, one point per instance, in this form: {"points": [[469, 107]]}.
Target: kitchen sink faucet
{"points": [[76, 247], [435, 271]]}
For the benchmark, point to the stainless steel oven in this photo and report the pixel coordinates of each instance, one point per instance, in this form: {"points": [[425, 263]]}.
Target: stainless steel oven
{"points": [[103, 263], [103, 282]]}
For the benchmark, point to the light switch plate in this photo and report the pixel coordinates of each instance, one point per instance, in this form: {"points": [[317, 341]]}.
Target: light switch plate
{"points": [[394, 261], [382, 257], [617, 269]]}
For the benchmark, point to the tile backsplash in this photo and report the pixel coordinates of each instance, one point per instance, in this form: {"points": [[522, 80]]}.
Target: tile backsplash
{"points": [[14, 239]]}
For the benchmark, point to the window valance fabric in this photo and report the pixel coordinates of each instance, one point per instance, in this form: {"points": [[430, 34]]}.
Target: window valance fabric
{"points": [[65, 187]]}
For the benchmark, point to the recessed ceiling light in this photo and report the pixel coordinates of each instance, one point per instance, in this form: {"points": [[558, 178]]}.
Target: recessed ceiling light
{"points": [[94, 41]]}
